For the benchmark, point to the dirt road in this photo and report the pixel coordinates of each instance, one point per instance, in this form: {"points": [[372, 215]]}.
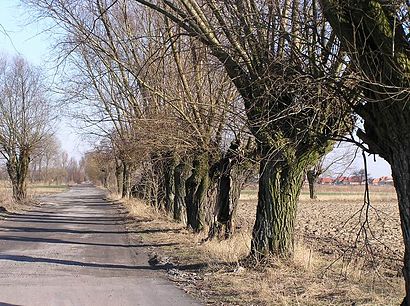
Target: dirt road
{"points": [[74, 250]]}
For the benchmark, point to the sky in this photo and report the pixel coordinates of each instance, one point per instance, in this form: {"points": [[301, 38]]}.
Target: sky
{"points": [[20, 35]]}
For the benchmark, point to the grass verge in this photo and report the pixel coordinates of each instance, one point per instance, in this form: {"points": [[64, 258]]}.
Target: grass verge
{"points": [[33, 192], [214, 272]]}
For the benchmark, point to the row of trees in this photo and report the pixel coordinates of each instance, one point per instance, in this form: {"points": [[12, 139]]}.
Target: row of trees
{"points": [[190, 95], [51, 165]]}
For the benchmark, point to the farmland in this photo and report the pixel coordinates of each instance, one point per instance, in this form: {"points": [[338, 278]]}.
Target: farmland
{"points": [[344, 260]]}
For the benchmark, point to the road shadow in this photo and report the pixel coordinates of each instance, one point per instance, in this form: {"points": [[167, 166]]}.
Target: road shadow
{"points": [[22, 220], [32, 259], [60, 241], [24, 229]]}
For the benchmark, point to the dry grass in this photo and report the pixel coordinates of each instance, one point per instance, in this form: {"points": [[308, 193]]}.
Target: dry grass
{"points": [[34, 191], [324, 270], [41, 190]]}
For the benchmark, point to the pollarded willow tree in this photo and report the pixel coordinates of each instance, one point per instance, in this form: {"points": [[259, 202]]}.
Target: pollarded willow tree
{"points": [[376, 36], [25, 118], [164, 96], [279, 55]]}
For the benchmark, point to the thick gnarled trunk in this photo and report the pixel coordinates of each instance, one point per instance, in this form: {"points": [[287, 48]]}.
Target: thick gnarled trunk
{"points": [[232, 176], [196, 193], [377, 43], [17, 169], [401, 161], [227, 198], [280, 183]]}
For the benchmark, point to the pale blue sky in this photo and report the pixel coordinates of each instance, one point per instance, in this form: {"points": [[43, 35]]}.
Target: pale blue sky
{"points": [[28, 39], [19, 34]]}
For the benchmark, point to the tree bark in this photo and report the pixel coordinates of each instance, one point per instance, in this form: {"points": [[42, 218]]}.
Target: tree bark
{"points": [[280, 182], [229, 189], [278, 192], [119, 175], [169, 178], [232, 172], [402, 184], [196, 193], [181, 173], [126, 183], [378, 46], [17, 168], [311, 177]]}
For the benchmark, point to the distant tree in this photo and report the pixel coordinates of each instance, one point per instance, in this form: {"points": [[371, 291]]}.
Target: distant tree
{"points": [[44, 158], [25, 117], [337, 161], [360, 174]]}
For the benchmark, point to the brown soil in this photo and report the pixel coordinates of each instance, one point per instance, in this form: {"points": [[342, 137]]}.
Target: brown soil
{"points": [[341, 257]]}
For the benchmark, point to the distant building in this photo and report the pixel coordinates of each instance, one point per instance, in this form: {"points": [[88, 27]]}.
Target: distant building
{"points": [[326, 181], [355, 180], [342, 180], [384, 180]]}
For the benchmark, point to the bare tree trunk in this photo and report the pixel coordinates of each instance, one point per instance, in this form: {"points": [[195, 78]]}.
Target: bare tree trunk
{"points": [[233, 173], [119, 175], [280, 183], [378, 44], [126, 183], [229, 189], [196, 193], [181, 173], [169, 170], [105, 179], [401, 161], [17, 168], [155, 194], [34, 173], [311, 177]]}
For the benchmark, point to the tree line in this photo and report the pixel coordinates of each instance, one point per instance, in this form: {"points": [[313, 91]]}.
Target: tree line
{"points": [[189, 97], [30, 151]]}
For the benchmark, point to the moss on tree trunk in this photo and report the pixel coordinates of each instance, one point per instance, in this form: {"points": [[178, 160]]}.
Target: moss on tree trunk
{"points": [[196, 193], [280, 183]]}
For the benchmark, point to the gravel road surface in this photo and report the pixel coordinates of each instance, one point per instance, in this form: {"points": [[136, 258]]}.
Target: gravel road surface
{"points": [[74, 250]]}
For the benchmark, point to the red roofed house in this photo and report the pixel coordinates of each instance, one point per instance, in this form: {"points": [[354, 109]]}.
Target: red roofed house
{"points": [[342, 180], [384, 180], [326, 181]]}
